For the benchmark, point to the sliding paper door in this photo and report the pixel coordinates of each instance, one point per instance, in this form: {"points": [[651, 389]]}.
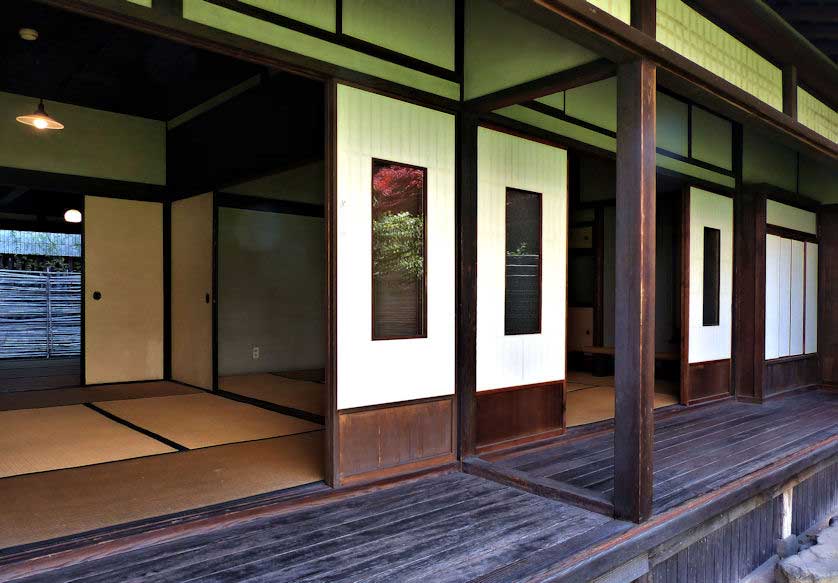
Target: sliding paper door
{"points": [[191, 326], [123, 290]]}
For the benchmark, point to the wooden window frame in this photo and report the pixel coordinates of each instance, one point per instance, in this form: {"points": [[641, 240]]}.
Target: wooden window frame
{"points": [[423, 299], [540, 257]]}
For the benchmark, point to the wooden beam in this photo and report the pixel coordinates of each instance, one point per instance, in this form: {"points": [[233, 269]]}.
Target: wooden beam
{"points": [[561, 81], [644, 16], [466, 324], [790, 91], [634, 366], [828, 294]]}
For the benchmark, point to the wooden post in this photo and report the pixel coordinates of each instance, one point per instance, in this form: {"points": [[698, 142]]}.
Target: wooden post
{"points": [[466, 381], [790, 91], [635, 291], [644, 16]]}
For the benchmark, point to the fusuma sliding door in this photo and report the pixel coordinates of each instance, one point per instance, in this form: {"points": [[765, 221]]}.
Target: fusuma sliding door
{"points": [[395, 250], [707, 295], [521, 287], [123, 290]]}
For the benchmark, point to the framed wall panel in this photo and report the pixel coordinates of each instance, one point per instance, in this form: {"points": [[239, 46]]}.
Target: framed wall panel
{"points": [[810, 340], [374, 372], [123, 290], [796, 297], [191, 291]]}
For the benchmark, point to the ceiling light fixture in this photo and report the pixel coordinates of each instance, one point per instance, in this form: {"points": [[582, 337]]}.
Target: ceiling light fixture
{"points": [[40, 120], [29, 34], [72, 216]]}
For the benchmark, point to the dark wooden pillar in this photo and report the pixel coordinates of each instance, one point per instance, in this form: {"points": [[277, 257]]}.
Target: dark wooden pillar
{"points": [[635, 291], [790, 91], [828, 294], [466, 358], [644, 16], [748, 295]]}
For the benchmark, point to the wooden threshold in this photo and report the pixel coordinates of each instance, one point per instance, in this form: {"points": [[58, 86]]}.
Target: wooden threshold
{"points": [[553, 489]]}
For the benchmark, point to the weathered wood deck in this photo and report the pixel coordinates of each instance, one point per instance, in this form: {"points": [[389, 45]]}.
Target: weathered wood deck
{"points": [[453, 527], [695, 451]]}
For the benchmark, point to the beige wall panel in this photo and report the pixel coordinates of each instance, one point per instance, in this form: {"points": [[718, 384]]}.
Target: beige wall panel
{"points": [[123, 259], [191, 285]]}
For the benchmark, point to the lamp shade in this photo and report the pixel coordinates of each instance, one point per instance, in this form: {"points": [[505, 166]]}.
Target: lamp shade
{"points": [[72, 216], [40, 119]]}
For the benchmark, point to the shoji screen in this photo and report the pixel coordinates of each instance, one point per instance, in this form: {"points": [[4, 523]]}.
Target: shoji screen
{"points": [[370, 129], [191, 291], [123, 290], [791, 292], [710, 214], [511, 164]]}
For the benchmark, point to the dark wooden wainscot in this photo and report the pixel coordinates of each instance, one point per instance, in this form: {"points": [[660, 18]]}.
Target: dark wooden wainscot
{"points": [[794, 372], [511, 415], [708, 380], [396, 438]]}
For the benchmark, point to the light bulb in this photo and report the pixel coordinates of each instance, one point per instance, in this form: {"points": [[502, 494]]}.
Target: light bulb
{"points": [[72, 216], [40, 123]]}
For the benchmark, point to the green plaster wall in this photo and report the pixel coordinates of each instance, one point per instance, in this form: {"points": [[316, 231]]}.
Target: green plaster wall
{"points": [[712, 139], [503, 50], [817, 115], [672, 124], [319, 13], [594, 103], [419, 28], [618, 8], [685, 31], [278, 36], [146, 3], [818, 180], [764, 160], [94, 143]]}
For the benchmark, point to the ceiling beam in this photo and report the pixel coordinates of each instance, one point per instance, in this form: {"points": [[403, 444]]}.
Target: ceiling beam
{"points": [[13, 195], [561, 81]]}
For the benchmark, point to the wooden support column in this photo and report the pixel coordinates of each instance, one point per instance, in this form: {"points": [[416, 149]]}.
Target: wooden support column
{"points": [[466, 357], [644, 16], [828, 294], [790, 91], [635, 291]]}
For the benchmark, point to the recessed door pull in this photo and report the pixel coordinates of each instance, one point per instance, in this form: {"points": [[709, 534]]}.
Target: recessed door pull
{"points": [[97, 295]]}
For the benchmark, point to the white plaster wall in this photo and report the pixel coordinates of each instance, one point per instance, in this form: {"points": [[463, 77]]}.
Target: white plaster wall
{"points": [[384, 371], [811, 340], [796, 298], [715, 211], [508, 161], [777, 296], [783, 215]]}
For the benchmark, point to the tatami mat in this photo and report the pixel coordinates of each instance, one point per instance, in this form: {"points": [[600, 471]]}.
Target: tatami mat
{"points": [[72, 501], [203, 420], [79, 395], [37, 440], [597, 404], [273, 388]]}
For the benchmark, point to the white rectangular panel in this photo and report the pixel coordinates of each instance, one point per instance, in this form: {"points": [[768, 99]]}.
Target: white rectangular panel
{"points": [[796, 299], [811, 321], [385, 371], [772, 296], [505, 161], [715, 211], [784, 298]]}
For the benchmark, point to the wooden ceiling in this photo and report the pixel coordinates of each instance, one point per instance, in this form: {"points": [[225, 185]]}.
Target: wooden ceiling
{"points": [[96, 64], [817, 20]]}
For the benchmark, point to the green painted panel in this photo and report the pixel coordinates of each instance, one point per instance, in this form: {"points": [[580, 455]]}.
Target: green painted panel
{"points": [[94, 143], [618, 8], [418, 28], [712, 139], [146, 3], [672, 124], [278, 36], [502, 49], [558, 126], [556, 100], [818, 180], [594, 103], [764, 160], [690, 170], [817, 115], [685, 31], [319, 13]]}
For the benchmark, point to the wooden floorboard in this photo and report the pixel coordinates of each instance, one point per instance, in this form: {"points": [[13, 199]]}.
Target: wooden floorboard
{"points": [[695, 451], [452, 527]]}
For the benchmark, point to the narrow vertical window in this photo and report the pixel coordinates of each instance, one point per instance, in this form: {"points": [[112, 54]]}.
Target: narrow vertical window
{"points": [[712, 275], [399, 303], [523, 262]]}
